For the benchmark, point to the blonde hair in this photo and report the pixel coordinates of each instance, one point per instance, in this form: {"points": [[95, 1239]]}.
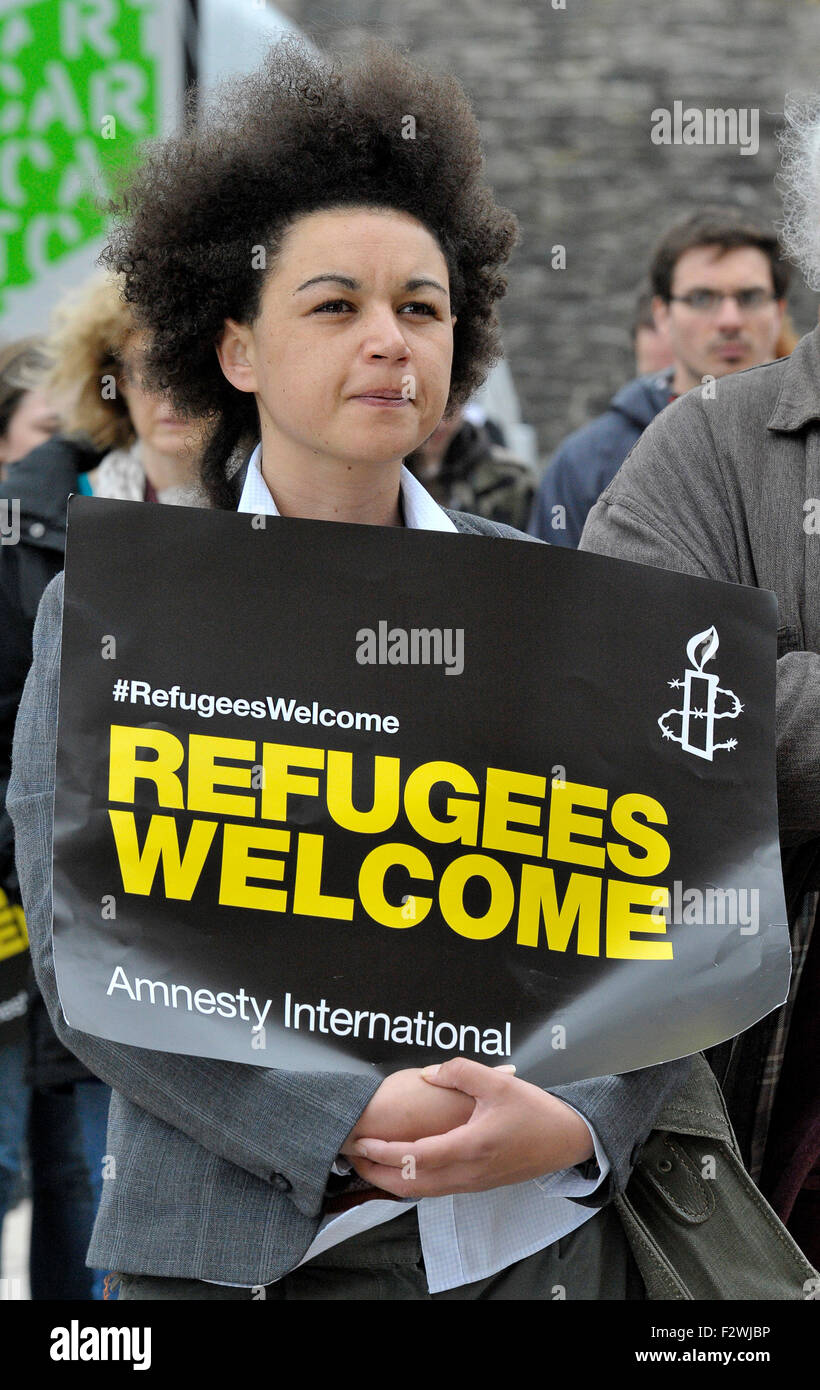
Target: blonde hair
{"points": [[23, 366], [90, 329]]}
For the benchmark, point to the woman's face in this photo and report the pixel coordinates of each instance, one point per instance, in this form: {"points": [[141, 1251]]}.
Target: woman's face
{"points": [[156, 424], [357, 303], [34, 421]]}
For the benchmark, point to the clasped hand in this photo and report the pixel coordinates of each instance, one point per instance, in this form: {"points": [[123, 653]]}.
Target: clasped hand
{"points": [[463, 1127]]}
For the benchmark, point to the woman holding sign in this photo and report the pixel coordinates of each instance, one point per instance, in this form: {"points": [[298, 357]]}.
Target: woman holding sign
{"points": [[317, 265]]}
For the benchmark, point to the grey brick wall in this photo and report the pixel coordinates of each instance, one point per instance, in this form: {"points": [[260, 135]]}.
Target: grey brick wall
{"points": [[564, 99]]}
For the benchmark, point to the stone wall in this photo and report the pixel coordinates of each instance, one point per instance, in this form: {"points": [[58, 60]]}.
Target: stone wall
{"points": [[564, 98]]}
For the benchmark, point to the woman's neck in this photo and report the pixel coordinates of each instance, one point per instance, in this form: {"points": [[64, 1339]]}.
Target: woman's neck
{"points": [[326, 489], [167, 470]]}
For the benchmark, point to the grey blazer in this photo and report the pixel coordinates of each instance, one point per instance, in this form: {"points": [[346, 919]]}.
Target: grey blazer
{"points": [[219, 1169]]}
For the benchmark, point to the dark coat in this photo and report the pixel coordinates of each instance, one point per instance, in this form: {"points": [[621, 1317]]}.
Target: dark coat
{"points": [[41, 484], [587, 460], [481, 477]]}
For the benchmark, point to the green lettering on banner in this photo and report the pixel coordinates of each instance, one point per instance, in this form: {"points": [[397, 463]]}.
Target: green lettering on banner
{"points": [[81, 86]]}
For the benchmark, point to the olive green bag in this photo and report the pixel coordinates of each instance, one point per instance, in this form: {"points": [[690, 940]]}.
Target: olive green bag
{"points": [[697, 1224]]}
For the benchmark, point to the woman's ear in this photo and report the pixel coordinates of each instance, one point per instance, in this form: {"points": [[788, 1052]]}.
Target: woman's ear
{"points": [[235, 352]]}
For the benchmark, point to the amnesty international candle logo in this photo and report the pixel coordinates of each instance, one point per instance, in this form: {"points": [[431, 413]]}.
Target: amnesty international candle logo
{"points": [[700, 699], [270, 850]]}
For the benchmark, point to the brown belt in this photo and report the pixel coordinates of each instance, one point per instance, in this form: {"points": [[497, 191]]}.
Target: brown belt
{"points": [[343, 1201]]}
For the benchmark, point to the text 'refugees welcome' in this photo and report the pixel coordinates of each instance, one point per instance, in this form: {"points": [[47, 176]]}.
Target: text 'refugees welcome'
{"points": [[239, 796]]}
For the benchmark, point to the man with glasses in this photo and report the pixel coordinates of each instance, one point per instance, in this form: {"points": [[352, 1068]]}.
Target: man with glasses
{"points": [[719, 293]]}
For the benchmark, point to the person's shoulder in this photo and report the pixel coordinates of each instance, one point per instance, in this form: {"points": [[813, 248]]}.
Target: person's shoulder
{"points": [[49, 472], [641, 398], [705, 453], [49, 623], [498, 473], [504, 461], [469, 525], [600, 443], [54, 588]]}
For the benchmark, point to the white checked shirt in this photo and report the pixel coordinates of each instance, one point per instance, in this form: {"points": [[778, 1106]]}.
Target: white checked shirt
{"points": [[469, 1235]]}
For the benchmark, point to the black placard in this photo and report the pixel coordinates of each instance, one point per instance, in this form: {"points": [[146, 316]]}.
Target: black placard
{"points": [[339, 797]]}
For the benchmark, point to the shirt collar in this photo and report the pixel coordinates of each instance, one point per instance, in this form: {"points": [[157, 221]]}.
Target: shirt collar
{"points": [[799, 397], [421, 513]]}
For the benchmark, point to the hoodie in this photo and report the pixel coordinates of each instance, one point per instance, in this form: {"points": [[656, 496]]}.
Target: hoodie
{"points": [[588, 459]]}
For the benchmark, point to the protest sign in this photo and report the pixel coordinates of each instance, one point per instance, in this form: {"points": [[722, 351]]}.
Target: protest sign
{"points": [[338, 797], [81, 87], [13, 970]]}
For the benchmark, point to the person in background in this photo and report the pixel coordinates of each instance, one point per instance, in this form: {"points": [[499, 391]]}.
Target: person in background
{"points": [[653, 348], [143, 450], [28, 415], [719, 292], [651, 345], [120, 441], [463, 467]]}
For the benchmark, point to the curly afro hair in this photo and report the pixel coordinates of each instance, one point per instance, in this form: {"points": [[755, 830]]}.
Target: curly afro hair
{"points": [[299, 135]]}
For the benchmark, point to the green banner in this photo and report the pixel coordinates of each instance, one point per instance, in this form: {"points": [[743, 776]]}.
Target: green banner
{"points": [[82, 84]]}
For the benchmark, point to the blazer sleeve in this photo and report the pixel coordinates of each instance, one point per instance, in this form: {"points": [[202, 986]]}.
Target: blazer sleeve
{"points": [[284, 1127], [622, 1110]]}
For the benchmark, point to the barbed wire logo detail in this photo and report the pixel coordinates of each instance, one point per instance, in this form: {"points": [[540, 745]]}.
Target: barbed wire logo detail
{"points": [[699, 710]]}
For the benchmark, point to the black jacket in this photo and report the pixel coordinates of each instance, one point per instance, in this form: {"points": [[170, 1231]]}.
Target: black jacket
{"points": [[37, 489]]}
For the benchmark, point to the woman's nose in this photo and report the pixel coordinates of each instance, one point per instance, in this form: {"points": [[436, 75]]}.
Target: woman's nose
{"points": [[383, 335]]}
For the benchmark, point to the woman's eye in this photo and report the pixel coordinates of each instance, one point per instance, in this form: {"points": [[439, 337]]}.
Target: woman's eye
{"points": [[337, 306]]}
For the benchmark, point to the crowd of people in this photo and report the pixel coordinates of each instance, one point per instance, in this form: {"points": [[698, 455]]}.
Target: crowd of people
{"points": [[181, 375]]}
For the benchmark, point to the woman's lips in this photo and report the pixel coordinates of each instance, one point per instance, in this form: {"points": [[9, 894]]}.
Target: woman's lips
{"points": [[389, 401]]}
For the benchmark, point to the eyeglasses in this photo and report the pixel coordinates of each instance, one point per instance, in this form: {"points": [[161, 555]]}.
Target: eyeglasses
{"points": [[709, 301]]}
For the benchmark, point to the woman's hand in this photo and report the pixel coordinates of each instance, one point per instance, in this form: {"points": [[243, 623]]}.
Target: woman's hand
{"points": [[406, 1107], [515, 1132]]}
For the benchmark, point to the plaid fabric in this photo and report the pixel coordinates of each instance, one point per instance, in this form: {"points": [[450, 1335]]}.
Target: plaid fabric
{"points": [[801, 930]]}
